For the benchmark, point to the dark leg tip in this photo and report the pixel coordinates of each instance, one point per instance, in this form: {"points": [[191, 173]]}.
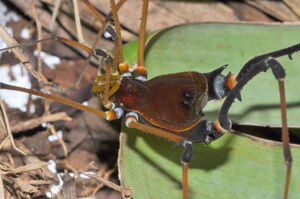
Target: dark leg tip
{"points": [[187, 155], [112, 32]]}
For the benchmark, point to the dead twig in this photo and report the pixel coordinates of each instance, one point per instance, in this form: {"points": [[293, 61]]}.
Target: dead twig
{"points": [[27, 167], [32, 123], [10, 41], [39, 182], [39, 37], [54, 14], [106, 177], [3, 142], [126, 191], [77, 22], [4, 122]]}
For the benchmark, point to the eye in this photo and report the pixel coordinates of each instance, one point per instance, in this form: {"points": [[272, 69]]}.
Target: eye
{"points": [[187, 95], [185, 104]]}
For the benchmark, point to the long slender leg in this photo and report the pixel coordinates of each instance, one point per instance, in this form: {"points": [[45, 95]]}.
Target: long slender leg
{"points": [[185, 184], [132, 122], [103, 22], [100, 18], [77, 105], [186, 158], [118, 52], [59, 39], [279, 74], [285, 140], [119, 48], [141, 71], [75, 44], [205, 132], [94, 12], [142, 35]]}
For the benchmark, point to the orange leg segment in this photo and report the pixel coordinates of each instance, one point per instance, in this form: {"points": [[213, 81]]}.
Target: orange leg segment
{"points": [[56, 98], [185, 186], [141, 46], [76, 44], [119, 51], [94, 11], [285, 138], [131, 122]]}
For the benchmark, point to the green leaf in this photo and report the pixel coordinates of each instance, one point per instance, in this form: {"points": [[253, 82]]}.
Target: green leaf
{"points": [[234, 166]]}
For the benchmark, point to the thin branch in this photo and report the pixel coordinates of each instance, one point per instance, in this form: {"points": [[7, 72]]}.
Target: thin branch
{"points": [[106, 177], [10, 41], [32, 123], [54, 14], [77, 22], [39, 37], [27, 167], [5, 124], [123, 190]]}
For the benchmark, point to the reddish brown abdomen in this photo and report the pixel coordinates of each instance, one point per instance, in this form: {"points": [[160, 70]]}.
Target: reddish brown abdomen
{"points": [[171, 102]]}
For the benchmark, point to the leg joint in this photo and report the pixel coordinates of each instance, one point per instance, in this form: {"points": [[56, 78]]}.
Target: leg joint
{"points": [[277, 68], [187, 155]]}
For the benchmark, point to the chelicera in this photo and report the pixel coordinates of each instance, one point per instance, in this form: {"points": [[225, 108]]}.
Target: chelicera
{"points": [[171, 105]]}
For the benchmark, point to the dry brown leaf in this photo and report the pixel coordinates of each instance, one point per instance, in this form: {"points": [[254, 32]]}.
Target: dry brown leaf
{"points": [[32, 123], [277, 9], [247, 12], [294, 5], [198, 11], [163, 14], [27, 167], [39, 182], [25, 186], [38, 144]]}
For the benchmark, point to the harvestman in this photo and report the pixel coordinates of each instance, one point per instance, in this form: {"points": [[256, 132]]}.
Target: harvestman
{"points": [[170, 106]]}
